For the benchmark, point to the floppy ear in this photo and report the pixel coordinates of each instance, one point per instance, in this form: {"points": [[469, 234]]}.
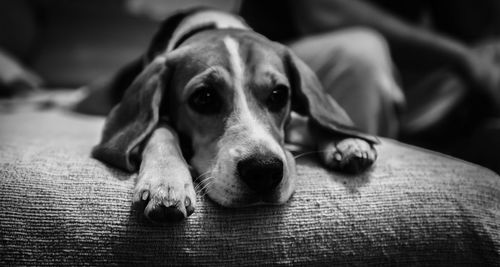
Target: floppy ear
{"points": [[133, 119], [309, 99]]}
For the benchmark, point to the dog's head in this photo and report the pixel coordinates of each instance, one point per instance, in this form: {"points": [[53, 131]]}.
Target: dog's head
{"points": [[229, 94]]}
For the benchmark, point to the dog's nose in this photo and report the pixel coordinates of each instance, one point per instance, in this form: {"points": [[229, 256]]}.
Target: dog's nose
{"points": [[261, 173]]}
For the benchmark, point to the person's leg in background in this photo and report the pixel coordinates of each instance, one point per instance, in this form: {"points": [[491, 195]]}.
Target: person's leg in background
{"points": [[17, 45], [444, 111], [355, 68]]}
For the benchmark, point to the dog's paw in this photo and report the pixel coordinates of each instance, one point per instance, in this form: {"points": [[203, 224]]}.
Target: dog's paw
{"points": [[164, 200], [350, 155]]}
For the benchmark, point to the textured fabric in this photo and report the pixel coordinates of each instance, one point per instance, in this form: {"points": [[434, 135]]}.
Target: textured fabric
{"points": [[59, 206]]}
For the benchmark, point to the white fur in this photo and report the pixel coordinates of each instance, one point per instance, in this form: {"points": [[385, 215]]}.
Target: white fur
{"points": [[257, 130]]}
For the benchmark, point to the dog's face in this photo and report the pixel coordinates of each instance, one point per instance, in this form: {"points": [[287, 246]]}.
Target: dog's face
{"points": [[231, 96], [230, 93]]}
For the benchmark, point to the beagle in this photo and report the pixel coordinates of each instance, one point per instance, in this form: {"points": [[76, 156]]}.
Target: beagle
{"points": [[213, 98]]}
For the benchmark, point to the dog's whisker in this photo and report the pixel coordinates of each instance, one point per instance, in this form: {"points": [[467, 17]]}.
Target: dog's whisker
{"points": [[202, 185], [201, 188], [198, 187], [203, 174], [204, 178], [199, 177], [308, 153], [205, 192], [205, 186]]}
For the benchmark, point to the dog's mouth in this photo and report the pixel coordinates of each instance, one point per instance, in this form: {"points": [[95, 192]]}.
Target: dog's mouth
{"points": [[233, 197]]}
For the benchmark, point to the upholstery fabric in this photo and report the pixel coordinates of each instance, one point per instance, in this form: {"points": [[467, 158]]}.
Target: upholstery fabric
{"points": [[61, 207]]}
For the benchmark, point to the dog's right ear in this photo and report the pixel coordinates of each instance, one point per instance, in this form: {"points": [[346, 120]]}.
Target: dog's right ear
{"points": [[134, 118]]}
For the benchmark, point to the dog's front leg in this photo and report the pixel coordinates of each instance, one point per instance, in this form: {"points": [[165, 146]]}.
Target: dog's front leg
{"points": [[164, 184]]}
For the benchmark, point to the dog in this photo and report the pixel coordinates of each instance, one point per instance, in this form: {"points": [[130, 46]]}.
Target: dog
{"points": [[212, 98]]}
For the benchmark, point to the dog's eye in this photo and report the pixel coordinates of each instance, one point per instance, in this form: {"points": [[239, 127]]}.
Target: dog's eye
{"points": [[278, 98], [205, 101]]}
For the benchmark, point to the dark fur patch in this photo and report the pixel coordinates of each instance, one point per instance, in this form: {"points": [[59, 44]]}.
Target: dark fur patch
{"points": [[200, 28]]}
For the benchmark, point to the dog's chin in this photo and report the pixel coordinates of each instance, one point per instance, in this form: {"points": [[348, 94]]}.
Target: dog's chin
{"points": [[249, 199]]}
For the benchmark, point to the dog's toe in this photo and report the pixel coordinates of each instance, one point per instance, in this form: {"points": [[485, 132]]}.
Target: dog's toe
{"points": [[165, 203], [350, 155]]}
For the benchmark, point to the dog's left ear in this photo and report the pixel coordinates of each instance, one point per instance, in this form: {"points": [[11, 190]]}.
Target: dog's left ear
{"points": [[309, 99], [134, 118]]}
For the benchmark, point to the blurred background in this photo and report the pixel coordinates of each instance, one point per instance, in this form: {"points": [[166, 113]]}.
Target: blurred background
{"points": [[66, 44], [71, 43]]}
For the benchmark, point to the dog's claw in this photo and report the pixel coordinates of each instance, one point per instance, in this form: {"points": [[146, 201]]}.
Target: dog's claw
{"points": [[189, 206], [145, 195]]}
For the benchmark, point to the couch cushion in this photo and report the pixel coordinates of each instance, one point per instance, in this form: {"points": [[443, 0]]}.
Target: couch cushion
{"points": [[59, 206]]}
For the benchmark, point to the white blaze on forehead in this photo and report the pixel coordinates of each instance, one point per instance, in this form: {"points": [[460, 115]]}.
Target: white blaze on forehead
{"points": [[235, 63], [242, 110], [238, 69]]}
